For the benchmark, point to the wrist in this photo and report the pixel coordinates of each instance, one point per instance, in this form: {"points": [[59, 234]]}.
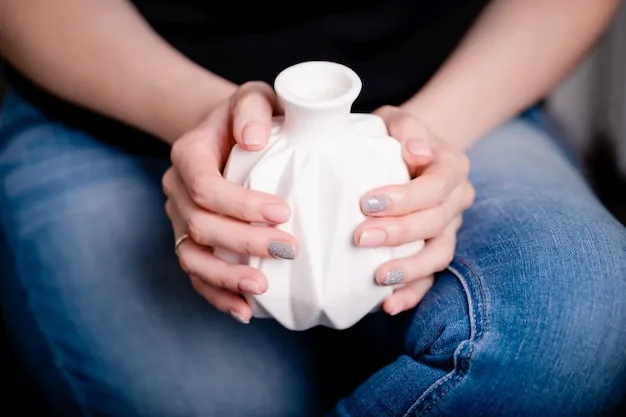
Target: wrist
{"points": [[441, 119], [183, 102]]}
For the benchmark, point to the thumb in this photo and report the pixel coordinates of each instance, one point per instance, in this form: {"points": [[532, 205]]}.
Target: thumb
{"points": [[252, 108], [416, 139], [417, 152]]}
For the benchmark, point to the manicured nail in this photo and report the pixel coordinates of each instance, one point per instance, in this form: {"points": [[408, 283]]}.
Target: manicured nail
{"points": [[254, 133], [375, 203], [393, 277], [239, 317], [276, 213], [418, 147], [281, 250], [249, 286], [372, 238]]}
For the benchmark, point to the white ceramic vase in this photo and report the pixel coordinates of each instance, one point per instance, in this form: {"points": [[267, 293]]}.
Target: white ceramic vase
{"points": [[322, 159]]}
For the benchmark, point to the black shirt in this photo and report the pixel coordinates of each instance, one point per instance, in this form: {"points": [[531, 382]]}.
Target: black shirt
{"points": [[394, 45]]}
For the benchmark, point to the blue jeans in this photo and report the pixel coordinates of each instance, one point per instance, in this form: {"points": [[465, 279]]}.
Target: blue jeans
{"points": [[530, 318]]}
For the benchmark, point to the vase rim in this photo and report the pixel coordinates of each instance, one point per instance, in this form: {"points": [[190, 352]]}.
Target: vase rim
{"points": [[318, 85]]}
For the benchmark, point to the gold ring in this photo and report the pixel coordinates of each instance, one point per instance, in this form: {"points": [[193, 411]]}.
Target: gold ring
{"points": [[179, 241]]}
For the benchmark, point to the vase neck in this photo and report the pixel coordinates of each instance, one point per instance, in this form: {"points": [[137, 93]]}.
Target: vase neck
{"points": [[317, 97], [305, 123]]}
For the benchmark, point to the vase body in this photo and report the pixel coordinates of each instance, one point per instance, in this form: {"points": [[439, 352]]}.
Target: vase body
{"points": [[322, 160]]}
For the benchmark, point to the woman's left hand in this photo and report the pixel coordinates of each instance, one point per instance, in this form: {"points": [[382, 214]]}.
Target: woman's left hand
{"points": [[429, 208]]}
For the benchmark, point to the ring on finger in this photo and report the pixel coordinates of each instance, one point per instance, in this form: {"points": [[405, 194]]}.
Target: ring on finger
{"points": [[180, 241]]}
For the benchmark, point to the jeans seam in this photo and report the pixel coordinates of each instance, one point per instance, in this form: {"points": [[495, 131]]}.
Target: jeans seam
{"points": [[455, 376], [477, 326], [483, 298]]}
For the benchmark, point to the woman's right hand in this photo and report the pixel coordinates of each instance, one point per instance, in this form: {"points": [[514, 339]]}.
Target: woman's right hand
{"points": [[214, 212]]}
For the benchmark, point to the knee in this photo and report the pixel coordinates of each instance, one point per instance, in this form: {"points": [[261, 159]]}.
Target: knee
{"points": [[567, 246], [550, 265], [585, 309], [440, 323], [555, 326]]}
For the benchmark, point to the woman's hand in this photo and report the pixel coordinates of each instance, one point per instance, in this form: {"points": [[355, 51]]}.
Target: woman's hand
{"points": [[428, 208], [208, 211]]}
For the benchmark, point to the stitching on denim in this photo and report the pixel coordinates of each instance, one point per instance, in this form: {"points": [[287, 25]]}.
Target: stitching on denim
{"points": [[481, 290], [455, 376]]}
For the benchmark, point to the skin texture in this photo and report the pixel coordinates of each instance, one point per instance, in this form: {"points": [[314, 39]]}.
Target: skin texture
{"points": [[162, 93], [516, 53]]}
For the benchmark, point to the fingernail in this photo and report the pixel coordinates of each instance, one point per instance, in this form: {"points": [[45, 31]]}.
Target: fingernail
{"points": [[254, 133], [418, 147], [276, 213], [282, 250], [393, 277], [249, 286], [239, 317], [372, 238], [394, 309], [375, 203]]}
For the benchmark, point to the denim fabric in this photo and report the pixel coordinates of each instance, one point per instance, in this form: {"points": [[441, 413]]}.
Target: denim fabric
{"points": [[530, 319]]}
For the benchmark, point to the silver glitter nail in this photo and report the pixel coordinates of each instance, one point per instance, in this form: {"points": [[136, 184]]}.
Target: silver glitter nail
{"points": [[239, 317], [393, 277], [282, 250], [375, 203]]}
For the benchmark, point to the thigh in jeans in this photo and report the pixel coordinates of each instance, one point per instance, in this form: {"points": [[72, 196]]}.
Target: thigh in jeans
{"points": [[96, 303], [530, 319]]}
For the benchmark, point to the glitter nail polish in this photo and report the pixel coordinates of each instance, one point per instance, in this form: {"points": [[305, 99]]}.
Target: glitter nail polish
{"points": [[375, 203], [281, 250], [393, 277]]}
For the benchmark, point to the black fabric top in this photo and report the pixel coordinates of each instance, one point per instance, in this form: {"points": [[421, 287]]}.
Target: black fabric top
{"points": [[394, 45]]}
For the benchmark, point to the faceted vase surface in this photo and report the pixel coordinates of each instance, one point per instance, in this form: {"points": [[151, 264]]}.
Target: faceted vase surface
{"points": [[322, 159]]}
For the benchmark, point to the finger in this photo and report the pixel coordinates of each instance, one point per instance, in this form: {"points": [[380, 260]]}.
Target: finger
{"points": [[416, 139], [252, 109], [221, 298], [419, 225], [408, 296], [198, 261], [214, 193], [199, 157], [202, 264], [447, 170], [224, 300], [434, 257], [210, 229], [203, 151], [177, 224], [417, 153]]}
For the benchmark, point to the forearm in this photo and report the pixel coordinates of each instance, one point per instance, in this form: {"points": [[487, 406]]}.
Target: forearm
{"points": [[102, 55], [517, 51]]}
